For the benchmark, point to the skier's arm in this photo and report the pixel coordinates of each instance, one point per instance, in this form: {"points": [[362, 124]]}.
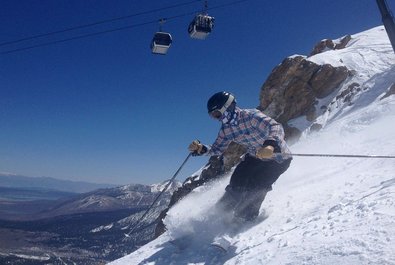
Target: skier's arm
{"points": [[271, 131], [220, 144]]}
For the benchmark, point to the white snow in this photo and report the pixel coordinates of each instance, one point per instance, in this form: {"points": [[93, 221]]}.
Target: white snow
{"points": [[45, 257], [367, 52], [322, 210], [160, 186], [102, 227]]}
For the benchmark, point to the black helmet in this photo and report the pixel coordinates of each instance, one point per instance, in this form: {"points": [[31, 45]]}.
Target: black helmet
{"points": [[219, 102]]}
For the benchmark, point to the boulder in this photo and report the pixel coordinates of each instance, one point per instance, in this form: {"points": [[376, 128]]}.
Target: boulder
{"points": [[322, 46], [328, 44]]}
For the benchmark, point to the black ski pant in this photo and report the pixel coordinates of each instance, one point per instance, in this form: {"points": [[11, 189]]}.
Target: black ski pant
{"points": [[249, 184]]}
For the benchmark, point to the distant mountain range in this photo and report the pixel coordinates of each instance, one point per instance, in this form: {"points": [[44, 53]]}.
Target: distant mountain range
{"points": [[82, 228], [8, 180]]}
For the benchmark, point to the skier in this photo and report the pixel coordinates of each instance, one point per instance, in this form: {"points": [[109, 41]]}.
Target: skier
{"points": [[267, 155]]}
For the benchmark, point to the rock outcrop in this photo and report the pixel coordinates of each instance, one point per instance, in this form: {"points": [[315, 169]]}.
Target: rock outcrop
{"points": [[328, 44], [293, 87]]}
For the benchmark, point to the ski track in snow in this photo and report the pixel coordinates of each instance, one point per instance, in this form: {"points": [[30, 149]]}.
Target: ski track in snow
{"points": [[322, 211]]}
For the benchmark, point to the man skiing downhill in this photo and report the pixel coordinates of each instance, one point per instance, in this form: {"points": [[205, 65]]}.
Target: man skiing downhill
{"points": [[267, 155]]}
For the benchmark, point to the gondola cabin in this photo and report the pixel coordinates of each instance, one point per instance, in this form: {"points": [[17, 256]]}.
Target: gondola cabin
{"points": [[161, 43], [201, 26]]}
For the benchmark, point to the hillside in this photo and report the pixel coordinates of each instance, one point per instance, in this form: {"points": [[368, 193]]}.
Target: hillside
{"points": [[86, 228], [322, 210]]}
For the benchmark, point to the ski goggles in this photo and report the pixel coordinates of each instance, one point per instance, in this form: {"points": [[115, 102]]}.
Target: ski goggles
{"points": [[216, 114]]}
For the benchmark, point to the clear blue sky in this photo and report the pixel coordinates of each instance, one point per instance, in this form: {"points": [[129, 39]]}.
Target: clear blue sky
{"points": [[104, 109]]}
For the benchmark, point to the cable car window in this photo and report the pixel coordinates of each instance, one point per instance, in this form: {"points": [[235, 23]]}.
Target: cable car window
{"points": [[201, 26], [162, 38]]}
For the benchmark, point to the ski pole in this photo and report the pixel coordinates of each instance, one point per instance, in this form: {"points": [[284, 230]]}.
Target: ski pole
{"points": [[157, 197], [341, 155]]}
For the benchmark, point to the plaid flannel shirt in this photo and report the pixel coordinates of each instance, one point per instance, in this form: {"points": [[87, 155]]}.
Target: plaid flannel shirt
{"points": [[253, 128]]}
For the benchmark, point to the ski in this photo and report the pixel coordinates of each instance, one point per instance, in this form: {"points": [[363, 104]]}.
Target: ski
{"points": [[222, 242]]}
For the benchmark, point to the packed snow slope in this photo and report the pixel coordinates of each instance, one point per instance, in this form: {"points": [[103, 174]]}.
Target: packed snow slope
{"points": [[322, 210]]}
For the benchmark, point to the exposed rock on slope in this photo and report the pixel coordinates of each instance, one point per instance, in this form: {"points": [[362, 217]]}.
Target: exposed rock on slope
{"points": [[328, 44], [293, 87]]}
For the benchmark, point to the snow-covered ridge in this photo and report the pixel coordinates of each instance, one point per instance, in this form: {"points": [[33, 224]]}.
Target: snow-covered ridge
{"points": [[322, 210], [159, 187], [369, 55]]}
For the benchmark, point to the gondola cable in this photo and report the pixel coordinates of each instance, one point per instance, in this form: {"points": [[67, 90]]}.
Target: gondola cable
{"points": [[97, 23], [113, 30]]}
